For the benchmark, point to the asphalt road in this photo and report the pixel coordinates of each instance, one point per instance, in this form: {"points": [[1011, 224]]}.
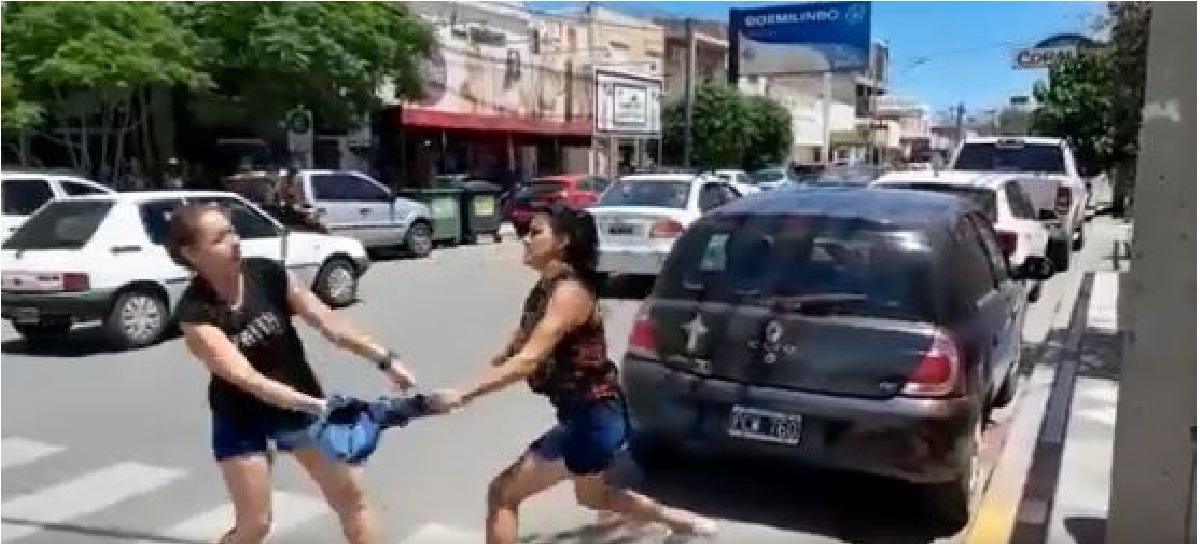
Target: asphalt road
{"points": [[107, 447]]}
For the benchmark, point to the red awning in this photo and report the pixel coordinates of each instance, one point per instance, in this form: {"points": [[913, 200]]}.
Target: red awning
{"points": [[462, 121]]}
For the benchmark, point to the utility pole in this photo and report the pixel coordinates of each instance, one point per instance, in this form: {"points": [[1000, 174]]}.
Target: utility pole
{"points": [[593, 158], [960, 112], [689, 86]]}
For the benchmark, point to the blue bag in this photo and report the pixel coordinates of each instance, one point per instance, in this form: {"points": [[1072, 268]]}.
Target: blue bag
{"points": [[351, 428]]}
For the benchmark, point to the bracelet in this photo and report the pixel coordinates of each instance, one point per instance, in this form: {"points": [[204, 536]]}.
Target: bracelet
{"points": [[384, 363]]}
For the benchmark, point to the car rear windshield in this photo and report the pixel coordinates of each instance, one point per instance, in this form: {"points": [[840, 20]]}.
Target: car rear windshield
{"points": [[816, 266], [542, 187], [62, 224], [1011, 157], [660, 194], [985, 199]]}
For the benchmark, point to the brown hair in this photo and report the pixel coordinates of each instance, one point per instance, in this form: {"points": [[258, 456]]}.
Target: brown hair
{"points": [[185, 226]]}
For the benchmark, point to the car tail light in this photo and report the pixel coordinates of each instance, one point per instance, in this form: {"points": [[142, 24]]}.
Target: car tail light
{"points": [[666, 229], [643, 341], [939, 372], [1062, 200], [1008, 242], [73, 281]]}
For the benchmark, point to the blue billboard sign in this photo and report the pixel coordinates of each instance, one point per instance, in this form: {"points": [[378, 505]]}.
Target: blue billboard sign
{"points": [[803, 38]]}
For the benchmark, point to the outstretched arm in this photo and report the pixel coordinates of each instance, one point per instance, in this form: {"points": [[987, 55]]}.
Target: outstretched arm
{"points": [[222, 358]]}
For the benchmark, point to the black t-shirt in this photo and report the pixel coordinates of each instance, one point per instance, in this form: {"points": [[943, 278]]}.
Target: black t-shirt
{"points": [[262, 330]]}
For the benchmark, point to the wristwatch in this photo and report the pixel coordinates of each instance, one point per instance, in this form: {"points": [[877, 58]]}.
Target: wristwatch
{"points": [[384, 363]]}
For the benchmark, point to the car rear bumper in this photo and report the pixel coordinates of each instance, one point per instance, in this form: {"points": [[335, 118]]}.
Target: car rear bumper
{"points": [[79, 306], [915, 440], [618, 260]]}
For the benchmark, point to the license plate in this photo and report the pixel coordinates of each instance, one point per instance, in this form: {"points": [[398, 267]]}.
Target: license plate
{"points": [[484, 206], [764, 425], [620, 228], [26, 315]]}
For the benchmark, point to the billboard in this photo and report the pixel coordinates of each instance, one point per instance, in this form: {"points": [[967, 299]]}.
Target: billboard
{"points": [[627, 104], [1050, 51], [803, 38]]}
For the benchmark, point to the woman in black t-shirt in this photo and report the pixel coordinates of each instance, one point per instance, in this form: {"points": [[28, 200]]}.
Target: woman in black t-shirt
{"points": [[236, 317]]}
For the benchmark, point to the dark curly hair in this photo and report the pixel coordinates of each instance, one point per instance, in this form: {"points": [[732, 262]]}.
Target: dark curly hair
{"points": [[579, 228]]}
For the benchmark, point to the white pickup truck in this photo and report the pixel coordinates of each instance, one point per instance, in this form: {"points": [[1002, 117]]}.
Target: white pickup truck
{"points": [[1057, 184]]}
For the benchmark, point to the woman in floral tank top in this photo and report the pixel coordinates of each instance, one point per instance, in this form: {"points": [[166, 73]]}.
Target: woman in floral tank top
{"points": [[559, 350]]}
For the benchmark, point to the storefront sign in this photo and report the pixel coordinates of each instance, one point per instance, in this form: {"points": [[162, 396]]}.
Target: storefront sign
{"points": [[627, 104]]}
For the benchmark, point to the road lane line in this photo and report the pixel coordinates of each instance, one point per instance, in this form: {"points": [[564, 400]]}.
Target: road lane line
{"points": [[15, 452], [288, 511], [82, 496], [437, 533]]}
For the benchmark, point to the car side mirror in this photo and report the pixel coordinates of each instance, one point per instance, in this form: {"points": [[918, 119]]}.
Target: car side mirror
{"points": [[1047, 215], [1035, 268]]}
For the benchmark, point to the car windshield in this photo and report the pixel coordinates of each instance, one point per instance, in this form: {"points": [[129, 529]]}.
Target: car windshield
{"points": [[1011, 157], [767, 175], [819, 266], [656, 193], [61, 224], [985, 199]]}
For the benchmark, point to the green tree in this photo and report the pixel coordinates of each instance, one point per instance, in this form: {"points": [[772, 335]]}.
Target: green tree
{"points": [[729, 129], [1074, 104], [89, 65], [16, 112], [332, 57]]}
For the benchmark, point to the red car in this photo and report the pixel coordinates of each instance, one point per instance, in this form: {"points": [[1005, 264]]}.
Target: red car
{"points": [[575, 191]]}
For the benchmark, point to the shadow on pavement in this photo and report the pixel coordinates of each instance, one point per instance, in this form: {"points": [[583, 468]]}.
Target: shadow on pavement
{"points": [[1086, 530], [98, 532], [80, 342], [1100, 355], [846, 506]]}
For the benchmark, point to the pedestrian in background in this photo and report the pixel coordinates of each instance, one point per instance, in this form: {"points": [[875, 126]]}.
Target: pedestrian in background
{"points": [[236, 317], [559, 349]]}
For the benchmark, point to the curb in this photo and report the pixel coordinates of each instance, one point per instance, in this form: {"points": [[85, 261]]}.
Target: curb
{"points": [[1016, 501]]}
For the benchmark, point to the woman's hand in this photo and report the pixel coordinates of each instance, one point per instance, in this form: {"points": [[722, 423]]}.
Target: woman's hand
{"points": [[445, 401], [400, 377]]}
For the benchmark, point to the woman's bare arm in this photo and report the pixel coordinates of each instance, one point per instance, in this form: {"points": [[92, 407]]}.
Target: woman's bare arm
{"points": [[222, 358], [335, 328]]}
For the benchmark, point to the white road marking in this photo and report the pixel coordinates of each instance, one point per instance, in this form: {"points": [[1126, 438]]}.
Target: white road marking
{"points": [[82, 496], [1102, 309], [436, 533], [288, 511], [15, 452]]}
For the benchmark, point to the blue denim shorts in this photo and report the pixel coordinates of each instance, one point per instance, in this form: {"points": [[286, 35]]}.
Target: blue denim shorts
{"points": [[237, 437], [589, 439]]}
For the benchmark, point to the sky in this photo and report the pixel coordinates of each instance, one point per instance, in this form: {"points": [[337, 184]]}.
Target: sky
{"points": [[941, 53]]}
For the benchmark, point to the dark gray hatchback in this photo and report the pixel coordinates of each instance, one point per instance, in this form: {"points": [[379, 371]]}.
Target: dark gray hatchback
{"points": [[861, 328]]}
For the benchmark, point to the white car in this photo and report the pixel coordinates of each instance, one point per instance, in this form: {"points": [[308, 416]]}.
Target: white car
{"points": [[25, 192], [1002, 199], [739, 179], [101, 258], [639, 217]]}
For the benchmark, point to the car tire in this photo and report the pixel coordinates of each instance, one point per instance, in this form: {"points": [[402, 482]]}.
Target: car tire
{"points": [[336, 283], [44, 332], [418, 241], [1059, 253], [137, 318], [950, 503]]}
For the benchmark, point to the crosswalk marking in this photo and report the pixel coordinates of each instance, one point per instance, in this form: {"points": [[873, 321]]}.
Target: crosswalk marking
{"points": [[288, 511], [15, 452], [437, 533], [85, 495]]}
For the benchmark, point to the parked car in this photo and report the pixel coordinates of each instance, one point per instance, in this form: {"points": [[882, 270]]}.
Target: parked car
{"points": [[101, 258], [867, 329], [25, 192], [350, 203], [773, 177], [1003, 201], [739, 179], [1057, 184], [639, 218], [575, 191]]}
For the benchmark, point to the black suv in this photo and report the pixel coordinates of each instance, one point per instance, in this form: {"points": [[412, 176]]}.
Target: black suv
{"points": [[868, 329]]}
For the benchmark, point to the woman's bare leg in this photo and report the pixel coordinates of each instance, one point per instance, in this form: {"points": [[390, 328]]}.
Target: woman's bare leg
{"points": [[594, 492], [342, 487], [528, 476], [248, 481]]}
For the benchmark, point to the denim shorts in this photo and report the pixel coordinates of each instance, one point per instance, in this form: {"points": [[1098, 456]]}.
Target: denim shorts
{"points": [[589, 439], [246, 436]]}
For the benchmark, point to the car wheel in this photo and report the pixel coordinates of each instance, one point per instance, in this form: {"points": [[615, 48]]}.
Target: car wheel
{"points": [[419, 240], [337, 282], [950, 502], [44, 332], [137, 319]]}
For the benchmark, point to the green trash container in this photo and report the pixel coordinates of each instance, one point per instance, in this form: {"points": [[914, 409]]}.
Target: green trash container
{"points": [[444, 211], [479, 206]]}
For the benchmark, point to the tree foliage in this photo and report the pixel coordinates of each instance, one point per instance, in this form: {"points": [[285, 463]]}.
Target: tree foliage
{"points": [[729, 129]]}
